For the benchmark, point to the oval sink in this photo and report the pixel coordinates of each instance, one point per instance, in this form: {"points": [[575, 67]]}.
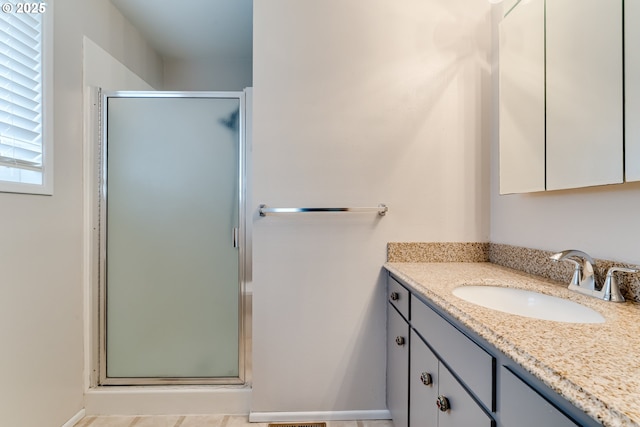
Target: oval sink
{"points": [[528, 304]]}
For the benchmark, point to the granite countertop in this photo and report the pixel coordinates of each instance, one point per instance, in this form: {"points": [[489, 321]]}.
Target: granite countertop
{"points": [[594, 366]]}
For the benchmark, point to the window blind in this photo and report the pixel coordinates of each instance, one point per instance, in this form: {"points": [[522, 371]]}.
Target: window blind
{"points": [[21, 147]]}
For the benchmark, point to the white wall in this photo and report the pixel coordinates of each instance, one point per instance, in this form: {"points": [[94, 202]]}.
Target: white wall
{"points": [[102, 70], [603, 221], [220, 74], [41, 302], [356, 103]]}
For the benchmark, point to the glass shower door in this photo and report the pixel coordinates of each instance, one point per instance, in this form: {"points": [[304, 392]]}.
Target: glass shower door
{"points": [[172, 196]]}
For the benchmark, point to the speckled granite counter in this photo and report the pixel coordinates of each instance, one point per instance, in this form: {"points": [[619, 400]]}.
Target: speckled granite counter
{"points": [[594, 366]]}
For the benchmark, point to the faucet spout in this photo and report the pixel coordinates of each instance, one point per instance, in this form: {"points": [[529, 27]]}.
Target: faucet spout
{"points": [[584, 279], [583, 275]]}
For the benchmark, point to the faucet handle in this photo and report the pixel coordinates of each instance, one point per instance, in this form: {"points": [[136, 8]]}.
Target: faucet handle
{"points": [[611, 289]]}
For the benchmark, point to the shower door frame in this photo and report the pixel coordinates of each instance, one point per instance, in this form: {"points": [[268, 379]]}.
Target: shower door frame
{"points": [[242, 239]]}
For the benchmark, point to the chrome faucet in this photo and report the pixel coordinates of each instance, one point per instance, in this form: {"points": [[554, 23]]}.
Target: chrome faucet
{"points": [[584, 274], [584, 278]]}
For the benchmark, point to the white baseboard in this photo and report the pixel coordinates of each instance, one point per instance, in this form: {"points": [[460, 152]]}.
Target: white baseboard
{"points": [[167, 401], [265, 417], [74, 420]]}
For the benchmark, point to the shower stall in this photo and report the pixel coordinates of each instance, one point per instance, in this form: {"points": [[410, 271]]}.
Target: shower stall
{"points": [[172, 238]]}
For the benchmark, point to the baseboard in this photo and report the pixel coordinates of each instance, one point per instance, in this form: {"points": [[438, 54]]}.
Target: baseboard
{"points": [[266, 417], [74, 420], [226, 400]]}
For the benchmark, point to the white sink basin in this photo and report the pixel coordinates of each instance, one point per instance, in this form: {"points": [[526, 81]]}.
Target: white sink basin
{"points": [[528, 304]]}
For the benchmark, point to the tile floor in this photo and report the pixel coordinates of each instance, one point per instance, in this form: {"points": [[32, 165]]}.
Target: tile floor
{"points": [[200, 421]]}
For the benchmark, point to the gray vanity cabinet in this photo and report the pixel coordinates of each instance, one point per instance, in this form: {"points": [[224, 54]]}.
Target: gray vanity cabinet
{"points": [[464, 410], [430, 380], [420, 385], [398, 355], [431, 356], [521, 406], [424, 379], [472, 364]]}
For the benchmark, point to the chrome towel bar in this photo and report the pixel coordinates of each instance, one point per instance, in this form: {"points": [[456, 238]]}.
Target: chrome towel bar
{"points": [[264, 210]]}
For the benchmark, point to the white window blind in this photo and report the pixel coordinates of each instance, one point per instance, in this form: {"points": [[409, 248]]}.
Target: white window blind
{"points": [[21, 98]]}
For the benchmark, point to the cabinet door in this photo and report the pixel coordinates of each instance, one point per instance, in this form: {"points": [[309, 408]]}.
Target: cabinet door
{"points": [[521, 406], [471, 363], [522, 115], [632, 89], [464, 411], [584, 93], [397, 367], [423, 393]]}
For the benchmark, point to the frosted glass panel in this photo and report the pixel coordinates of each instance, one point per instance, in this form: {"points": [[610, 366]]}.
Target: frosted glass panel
{"points": [[172, 272]]}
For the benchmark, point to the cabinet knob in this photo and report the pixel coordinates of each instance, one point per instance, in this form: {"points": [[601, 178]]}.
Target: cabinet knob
{"points": [[400, 340], [394, 296], [426, 379], [443, 403]]}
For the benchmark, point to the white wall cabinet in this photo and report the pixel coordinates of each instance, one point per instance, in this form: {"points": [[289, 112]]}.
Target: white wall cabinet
{"points": [[632, 89], [572, 49], [522, 114], [584, 93]]}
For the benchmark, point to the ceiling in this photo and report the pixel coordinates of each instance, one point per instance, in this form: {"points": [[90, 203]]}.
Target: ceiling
{"points": [[193, 29]]}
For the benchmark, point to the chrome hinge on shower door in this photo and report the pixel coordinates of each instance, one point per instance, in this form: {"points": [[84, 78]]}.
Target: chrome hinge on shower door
{"points": [[234, 237]]}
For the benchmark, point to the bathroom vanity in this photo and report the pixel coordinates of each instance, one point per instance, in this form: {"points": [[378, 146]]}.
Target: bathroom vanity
{"points": [[454, 363]]}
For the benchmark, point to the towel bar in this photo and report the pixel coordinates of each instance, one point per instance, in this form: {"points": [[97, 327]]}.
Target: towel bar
{"points": [[264, 210]]}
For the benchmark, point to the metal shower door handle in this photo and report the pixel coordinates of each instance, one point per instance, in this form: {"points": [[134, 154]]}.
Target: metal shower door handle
{"points": [[234, 237]]}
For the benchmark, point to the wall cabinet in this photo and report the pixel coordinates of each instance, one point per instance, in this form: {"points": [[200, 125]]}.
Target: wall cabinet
{"points": [[522, 109], [561, 100], [441, 374], [632, 89], [584, 93]]}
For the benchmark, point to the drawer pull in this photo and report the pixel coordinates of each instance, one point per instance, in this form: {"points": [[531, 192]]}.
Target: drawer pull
{"points": [[394, 296], [400, 340], [443, 403], [426, 378]]}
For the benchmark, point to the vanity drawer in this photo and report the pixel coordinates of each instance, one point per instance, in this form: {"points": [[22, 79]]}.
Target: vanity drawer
{"points": [[472, 364], [398, 296]]}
